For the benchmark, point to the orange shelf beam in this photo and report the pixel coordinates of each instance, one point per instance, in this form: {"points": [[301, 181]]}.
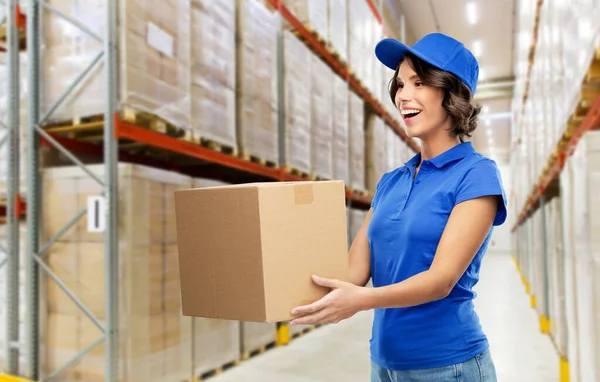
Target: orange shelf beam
{"points": [[139, 134], [590, 122], [129, 131]]}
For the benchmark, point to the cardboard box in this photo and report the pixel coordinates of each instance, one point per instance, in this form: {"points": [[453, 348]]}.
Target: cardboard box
{"points": [[247, 252]]}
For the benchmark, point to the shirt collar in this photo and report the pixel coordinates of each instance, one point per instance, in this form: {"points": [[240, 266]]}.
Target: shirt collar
{"points": [[457, 152]]}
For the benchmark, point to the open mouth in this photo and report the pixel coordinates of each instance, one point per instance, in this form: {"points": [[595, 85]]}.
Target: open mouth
{"points": [[410, 113]]}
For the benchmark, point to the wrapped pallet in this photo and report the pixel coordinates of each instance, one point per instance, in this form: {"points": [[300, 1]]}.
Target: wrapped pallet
{"points": [[357, 141], [213, 71], [153, 59], [312, 13], [338, 27], [22, 135], [357, 217], [297, 60], [22, 279], [558, 311], [360, 42], [391, 140], [586, 252], [376, 162], [341, 138], [256, 81], [321, 119], [155, 339]]}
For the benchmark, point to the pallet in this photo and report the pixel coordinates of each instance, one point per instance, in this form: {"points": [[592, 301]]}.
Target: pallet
{"points": [[296, 172], [256, 352], [217, 371], [151, 122], [210, 144], [316, 177], [255, 159], [91, 128]]}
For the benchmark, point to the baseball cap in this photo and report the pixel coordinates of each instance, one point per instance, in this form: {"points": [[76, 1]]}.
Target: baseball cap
{"points": [[437, 49]]}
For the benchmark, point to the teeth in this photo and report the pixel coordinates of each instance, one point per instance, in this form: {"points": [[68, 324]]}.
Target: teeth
{"points": [[410, 111]]}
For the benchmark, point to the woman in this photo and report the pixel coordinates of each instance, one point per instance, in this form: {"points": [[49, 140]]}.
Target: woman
{"points": [[427, 230]]}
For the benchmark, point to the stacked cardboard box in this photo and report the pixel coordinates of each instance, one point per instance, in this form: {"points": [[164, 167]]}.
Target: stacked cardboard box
{"points": [[256, 80], [297, 61], [376, 152], [312, 13], [213, 71], [338, 27], [155, 339], [154, 58], [322, 121], [357, 141], [341, 139]]}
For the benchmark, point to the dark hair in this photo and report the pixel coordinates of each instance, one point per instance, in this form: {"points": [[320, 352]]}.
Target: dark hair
{"points": [[457, 96]]}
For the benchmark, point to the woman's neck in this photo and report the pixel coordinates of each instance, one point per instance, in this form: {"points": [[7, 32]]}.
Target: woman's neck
{"points": [[430, 148]]}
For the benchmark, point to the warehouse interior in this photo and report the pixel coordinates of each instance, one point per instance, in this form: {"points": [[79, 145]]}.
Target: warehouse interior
{"points": [[110, 107]]}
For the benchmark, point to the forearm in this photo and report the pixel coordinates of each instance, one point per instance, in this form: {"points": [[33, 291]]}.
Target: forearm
{"points": [[416, 290], [359, 265]]}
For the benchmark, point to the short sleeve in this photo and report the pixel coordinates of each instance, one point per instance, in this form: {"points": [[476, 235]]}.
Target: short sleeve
{"points": [[483, 179]]}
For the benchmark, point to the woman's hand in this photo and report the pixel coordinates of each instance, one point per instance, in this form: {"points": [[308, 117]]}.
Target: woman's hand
{"points": [[344, 301]]}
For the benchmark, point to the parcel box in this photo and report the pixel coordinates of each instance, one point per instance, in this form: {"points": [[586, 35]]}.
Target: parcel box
{"points": [[247, 252]]}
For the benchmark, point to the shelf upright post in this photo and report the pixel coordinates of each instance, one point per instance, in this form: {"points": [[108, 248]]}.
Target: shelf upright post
{"points": [[33, 112], [111, 249], [545, 311], [12, 192], [36, 251]]}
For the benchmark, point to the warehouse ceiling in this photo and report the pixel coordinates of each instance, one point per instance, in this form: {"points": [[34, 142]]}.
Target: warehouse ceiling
{"points": [[487, 27]]}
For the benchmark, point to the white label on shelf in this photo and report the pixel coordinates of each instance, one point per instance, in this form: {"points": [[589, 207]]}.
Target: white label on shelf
{"points": [[160, 40], [96, 212]]}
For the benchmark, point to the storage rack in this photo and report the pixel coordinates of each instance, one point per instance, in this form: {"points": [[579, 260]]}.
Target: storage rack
{"points": [[113, 129], [585, 117], [12, 205]]}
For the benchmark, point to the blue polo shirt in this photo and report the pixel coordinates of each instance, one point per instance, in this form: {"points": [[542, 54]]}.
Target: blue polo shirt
{"points": [[407, 223]]}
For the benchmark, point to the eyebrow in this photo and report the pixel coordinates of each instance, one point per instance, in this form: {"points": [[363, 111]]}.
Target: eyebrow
{"points": [[413, 77]]}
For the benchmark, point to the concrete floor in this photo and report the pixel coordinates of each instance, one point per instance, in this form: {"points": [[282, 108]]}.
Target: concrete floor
{"points": [[341, 352]]}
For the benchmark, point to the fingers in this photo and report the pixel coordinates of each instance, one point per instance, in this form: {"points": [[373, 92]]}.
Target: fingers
{"points": [[312, 319], [328, 283], [309, 309]]}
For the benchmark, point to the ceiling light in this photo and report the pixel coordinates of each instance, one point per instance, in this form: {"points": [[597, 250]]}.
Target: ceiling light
{"points": [[485, 109], [488, 123], [471, 12], [477, 48]]}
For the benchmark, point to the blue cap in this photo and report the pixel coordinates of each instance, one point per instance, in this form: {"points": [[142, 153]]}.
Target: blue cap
{"points": [[437, 49]]}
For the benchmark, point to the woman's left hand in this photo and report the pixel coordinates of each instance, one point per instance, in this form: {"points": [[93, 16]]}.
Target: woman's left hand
{"points": [[343, 302]]}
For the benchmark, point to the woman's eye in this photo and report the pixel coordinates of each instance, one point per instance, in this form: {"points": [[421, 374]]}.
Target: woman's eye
{"points": [[419, 84], [400, 86]]}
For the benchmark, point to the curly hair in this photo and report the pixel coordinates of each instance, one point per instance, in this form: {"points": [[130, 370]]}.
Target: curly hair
{"points": [[457, 96]]}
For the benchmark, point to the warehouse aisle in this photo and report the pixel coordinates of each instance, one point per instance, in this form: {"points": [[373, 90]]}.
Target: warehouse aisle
{"points": [[340, 352]]}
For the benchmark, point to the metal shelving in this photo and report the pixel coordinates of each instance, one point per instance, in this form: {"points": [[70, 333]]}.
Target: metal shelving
{"points": [[343, 70], [114, 129], [12, 207]]}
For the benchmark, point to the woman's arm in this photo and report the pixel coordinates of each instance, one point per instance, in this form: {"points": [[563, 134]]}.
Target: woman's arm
{"points": [[467, 228], [359, 257]]}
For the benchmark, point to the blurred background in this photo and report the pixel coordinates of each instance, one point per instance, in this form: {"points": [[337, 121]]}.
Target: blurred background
{"points": [[109, 106]]}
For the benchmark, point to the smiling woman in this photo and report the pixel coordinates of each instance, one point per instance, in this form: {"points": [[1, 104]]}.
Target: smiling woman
{"points": [[428, 228], [455, 95]]}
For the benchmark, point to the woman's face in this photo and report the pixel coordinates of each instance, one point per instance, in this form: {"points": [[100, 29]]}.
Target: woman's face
{"points": [[419, 104]]}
